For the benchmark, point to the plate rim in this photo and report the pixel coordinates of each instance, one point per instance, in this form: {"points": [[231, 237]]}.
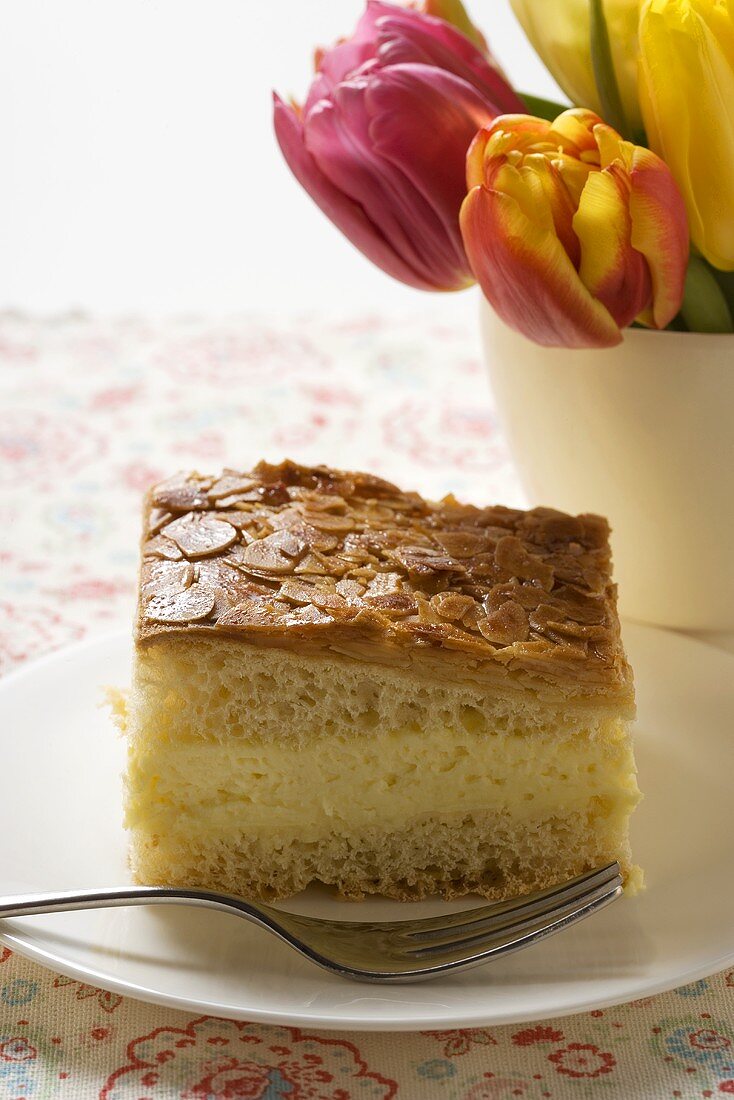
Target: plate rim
{"points": [[324, 1019], [136, 992]]}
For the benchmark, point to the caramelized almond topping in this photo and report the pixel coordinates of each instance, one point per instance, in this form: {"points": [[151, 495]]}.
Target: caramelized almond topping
{"points": [[349, 560]]}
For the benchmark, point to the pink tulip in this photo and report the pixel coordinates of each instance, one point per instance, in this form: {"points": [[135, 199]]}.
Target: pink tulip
{"points": [[380, 142], [572, 232]]}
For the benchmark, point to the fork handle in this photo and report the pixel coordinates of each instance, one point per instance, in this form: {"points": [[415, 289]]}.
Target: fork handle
{"points": [[69, 901]]}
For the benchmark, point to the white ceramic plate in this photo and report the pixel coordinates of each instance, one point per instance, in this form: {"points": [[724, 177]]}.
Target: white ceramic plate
{"points": [[60, 804]]}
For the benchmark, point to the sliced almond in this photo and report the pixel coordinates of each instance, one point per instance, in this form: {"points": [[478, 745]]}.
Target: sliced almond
{"points": [[393, 604], [300, 592], [506, 625], [200, 536], [383, 584], [463, 543], [309, 615], [452, 605], [180, 494], [349, 589], [190, 606], [510, 554], [230, 485], [168, 576], [327, 521], [253, 614], [425, 560], [158, 518], [314, 538], [276, 553], [161, 547]]}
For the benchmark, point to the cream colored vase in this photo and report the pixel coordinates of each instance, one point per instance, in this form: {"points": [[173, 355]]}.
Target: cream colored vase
{"points": [[644, 434]]}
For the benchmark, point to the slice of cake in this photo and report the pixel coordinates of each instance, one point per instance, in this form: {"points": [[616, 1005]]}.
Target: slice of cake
{"points": [[337, 681]]}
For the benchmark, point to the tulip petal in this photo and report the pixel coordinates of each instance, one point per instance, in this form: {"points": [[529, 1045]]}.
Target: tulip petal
{"points": [[559, 202], [559, 30], [406, 36], [490, 144], [659, 232], [687, 92], [347, 215], [574, 131], [611, 269], [475, 157], [559, 33], [454, 12], [337, 134], [526, 275], [487, 164], [568, 143], [429, 153], [339, 62], [659, 224]]}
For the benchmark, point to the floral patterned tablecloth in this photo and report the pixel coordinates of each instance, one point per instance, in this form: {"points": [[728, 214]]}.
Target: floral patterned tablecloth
{"points": [[92, 412]]}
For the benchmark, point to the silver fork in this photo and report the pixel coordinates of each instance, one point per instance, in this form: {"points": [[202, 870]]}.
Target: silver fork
{"points": [[376, 951]]}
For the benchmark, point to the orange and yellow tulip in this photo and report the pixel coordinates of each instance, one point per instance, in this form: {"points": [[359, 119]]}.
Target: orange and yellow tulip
{"points": [[572, 232], [687, 96]]}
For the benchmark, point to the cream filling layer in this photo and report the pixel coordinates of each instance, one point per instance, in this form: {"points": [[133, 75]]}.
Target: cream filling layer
{"points": [[330, 785]]}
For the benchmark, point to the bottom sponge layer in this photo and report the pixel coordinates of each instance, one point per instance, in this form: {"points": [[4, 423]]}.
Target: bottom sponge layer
{"points": [[496, 795], [486, 854]]}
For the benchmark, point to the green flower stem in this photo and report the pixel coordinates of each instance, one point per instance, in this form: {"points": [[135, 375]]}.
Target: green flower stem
{"points": [[604, 74], [704, 308], [542, 108], [725, 279]]}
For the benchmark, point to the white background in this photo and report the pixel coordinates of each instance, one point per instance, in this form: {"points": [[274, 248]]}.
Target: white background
{"points": [[138, 169]]}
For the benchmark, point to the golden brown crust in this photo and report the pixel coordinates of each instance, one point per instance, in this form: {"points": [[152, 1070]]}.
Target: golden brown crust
{"points": [[319, 558]]}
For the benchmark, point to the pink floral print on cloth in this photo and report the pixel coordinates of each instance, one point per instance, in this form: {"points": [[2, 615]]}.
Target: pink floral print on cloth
{"points": [[222, 1058]]}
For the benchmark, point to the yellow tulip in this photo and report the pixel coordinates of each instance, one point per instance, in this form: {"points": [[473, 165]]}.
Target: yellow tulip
{"points": [[559, 32], [687, 97]]}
